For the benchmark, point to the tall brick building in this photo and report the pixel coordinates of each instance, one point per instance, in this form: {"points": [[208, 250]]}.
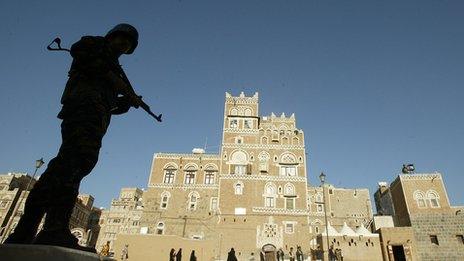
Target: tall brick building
{"points": [[254, 194], [420, 201]]}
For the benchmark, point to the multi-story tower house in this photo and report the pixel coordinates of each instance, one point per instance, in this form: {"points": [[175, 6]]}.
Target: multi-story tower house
{"points": [[123, 217], [256, 188]]}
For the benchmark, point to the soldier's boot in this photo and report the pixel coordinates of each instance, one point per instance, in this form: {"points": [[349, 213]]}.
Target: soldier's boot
{"points": [[56, 227]]}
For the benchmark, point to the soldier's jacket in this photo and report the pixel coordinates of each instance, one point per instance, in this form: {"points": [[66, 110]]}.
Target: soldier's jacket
{"points": [[88, 84]]}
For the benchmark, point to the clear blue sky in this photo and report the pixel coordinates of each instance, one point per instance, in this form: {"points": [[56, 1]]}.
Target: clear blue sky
{"points": [[373, 84]]}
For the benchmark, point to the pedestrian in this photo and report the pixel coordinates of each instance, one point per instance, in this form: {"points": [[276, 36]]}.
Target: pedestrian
{"points": [[338, 254], [280, 255], [91, 96], [179, 255], [231, 255], [192, 256], [125, 253], [172, 255], [105, 249], [291, 254], [299, 254]]}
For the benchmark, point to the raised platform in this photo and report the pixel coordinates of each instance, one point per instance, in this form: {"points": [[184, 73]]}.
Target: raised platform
{"points": [[45, 253]]}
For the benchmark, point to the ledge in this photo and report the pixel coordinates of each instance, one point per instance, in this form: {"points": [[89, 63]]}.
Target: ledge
{"points": [[15, 252]]}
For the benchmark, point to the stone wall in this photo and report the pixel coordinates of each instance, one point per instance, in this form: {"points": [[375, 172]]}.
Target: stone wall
{"points": [[446, 226]]}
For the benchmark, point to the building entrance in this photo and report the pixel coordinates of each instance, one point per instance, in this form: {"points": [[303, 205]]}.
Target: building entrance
{"points": [[269, 252], [398, 253]]}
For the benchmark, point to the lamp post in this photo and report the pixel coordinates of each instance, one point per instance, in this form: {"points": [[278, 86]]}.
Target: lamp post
{"points": [[322, 179], [38, 164]]}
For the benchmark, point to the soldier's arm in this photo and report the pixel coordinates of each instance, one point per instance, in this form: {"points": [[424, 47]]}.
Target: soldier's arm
{"points": [[122, 88]]}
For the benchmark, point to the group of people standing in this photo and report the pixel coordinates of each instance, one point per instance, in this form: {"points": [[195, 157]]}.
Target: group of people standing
{"points": [[293, 255], [177, 256], [280, 254]]}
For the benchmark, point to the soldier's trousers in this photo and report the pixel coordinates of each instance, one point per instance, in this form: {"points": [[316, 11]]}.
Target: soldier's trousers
{"points": [[55, 192]]}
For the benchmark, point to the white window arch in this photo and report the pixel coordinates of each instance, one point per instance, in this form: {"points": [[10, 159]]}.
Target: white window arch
{"points": [[247, 112], [433, 198], [239, 157], [193, 200], [289, 189], [169, 174], [165, 196], [233, 111], [419, 197]]}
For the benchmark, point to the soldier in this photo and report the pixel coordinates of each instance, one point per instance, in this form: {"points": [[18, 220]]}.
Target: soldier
{"points": [[93, 93]]}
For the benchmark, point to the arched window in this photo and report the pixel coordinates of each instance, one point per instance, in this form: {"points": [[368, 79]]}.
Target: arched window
{"points": [[419, 197], [233, 111], [169, 174], [270, 195], [160, 228], [190, 173], [210, 175], [193, 200], [165, 199], [238, 188], [433, 198], [247, 112], [239, 162], [289, 189]]}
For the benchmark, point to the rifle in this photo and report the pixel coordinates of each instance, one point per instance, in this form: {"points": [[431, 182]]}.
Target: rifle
{"points": [[120, 72]]}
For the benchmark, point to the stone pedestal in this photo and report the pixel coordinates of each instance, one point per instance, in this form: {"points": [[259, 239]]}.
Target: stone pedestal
{"points": [[46, 253]]}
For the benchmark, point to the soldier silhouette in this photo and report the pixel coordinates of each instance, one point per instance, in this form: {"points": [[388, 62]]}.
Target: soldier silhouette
{"points": [[94, 92]]}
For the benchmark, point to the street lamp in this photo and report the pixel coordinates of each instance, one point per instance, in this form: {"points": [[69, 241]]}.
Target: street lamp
{"points": [[322, 179], [38, 164]]}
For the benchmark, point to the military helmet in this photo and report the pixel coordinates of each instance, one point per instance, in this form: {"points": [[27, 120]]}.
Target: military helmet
{"points": [[127, 30]]}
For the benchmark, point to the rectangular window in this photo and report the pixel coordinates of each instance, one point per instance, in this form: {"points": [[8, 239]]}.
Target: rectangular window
{"points": [[434, 240], [240, 211], [319, 208], [434, 203], [288, 170], [209, 178], [214, 204], [168, 176], [189, 178], [263, 166], [240, 169], [421, 203], [290, 203], [289, 228], [269, 202], [247, 124], [233, 123], [460, 239]]}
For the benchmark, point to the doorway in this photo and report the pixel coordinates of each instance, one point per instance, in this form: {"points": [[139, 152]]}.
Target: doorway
{"points": [[398, 253], [269, 252]]}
